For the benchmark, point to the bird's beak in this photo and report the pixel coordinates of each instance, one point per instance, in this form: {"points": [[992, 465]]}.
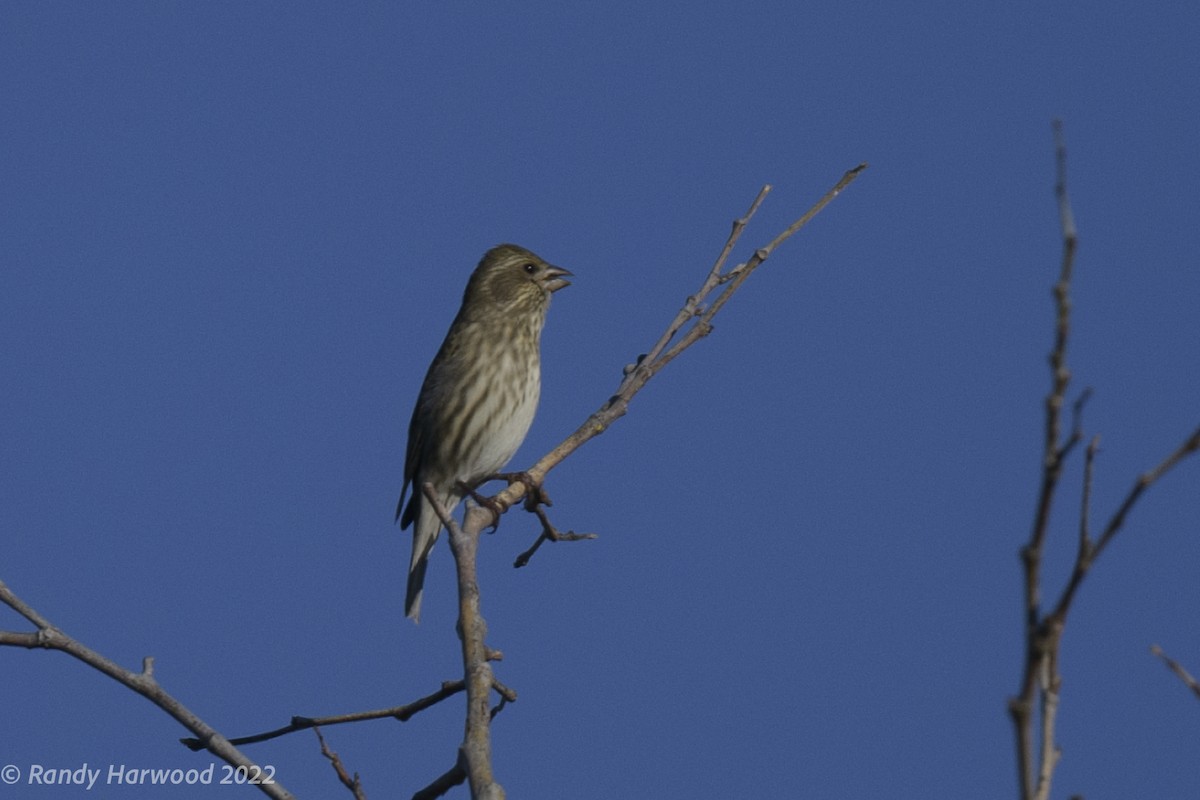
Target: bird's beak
{"points": [[556, 278]]}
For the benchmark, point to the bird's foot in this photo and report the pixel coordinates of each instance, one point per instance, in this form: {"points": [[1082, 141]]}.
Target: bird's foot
{"points": [[535, 493], [549, 534], [487, 502]]}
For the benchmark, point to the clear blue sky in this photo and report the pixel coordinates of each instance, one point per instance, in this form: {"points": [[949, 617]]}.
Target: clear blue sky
{"points": [[234, 234]]}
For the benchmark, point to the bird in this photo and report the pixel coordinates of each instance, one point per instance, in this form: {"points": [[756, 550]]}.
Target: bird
{"points": [[479, 396]]}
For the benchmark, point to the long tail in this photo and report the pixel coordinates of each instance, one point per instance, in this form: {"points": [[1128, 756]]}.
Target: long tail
{"points": [[426, 527], [416, 586]]}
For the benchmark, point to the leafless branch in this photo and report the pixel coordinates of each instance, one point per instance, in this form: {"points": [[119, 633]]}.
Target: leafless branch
{"points": [[1178, 669], [475, 753], [1189, 446], [692, 323], [1089, 553], [452, 777], [402, 713], [144, 683], [353, 784], [1041, 682], [549, 534], [1041, 678]]}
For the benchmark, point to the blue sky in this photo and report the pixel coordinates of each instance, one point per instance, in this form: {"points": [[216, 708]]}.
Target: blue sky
{"points": [[235, 234]]}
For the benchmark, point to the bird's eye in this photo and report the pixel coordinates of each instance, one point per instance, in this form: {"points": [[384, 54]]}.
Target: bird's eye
{"points": [[529, 268]]}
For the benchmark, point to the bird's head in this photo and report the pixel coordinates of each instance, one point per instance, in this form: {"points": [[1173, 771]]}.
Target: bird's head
{"points": [[513, 278]]}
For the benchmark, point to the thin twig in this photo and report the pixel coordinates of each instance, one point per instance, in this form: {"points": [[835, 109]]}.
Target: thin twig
{"points": [[1043, 633], [298, 723], [1189, 446], [1178, 669], [549, 534], [703, 325], [663, 351], [1085, 549], [1041, 639], [353, 784], [714, 278], [1086, 559]]}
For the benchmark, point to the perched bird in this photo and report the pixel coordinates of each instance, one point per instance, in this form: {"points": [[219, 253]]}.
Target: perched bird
{"points": [[479, 396]]}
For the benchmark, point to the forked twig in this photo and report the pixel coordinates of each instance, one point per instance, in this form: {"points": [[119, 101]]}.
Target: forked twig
{"points": [[692, 323], [549, 534], [1041, 681], [351, 783]]}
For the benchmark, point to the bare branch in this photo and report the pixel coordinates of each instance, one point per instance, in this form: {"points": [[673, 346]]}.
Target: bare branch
{"points": [[1085, 549], [1041, 639], [298, 723], [1043, 633], [353, 784], [475, 753], [1054, 453], [1050, 751], [703, 325], [692, 305], [549, 534], [144, 683], [663, 351], [452, 777], [1087, 557], [1178, 669], [1066, 217], [1189, 446]]}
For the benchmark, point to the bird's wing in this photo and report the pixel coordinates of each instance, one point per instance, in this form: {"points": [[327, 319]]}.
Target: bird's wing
{"points": [[412, 460]]}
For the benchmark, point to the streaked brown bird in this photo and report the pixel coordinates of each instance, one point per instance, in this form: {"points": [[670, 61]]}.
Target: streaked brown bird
{"points": [[479, 396]]}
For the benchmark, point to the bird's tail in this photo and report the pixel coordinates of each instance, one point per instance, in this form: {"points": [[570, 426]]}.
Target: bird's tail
{"points": [[426, 528], [416, 587]]}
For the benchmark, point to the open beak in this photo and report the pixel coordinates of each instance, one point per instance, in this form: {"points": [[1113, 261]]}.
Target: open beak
{"points": [[556, 278]]}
